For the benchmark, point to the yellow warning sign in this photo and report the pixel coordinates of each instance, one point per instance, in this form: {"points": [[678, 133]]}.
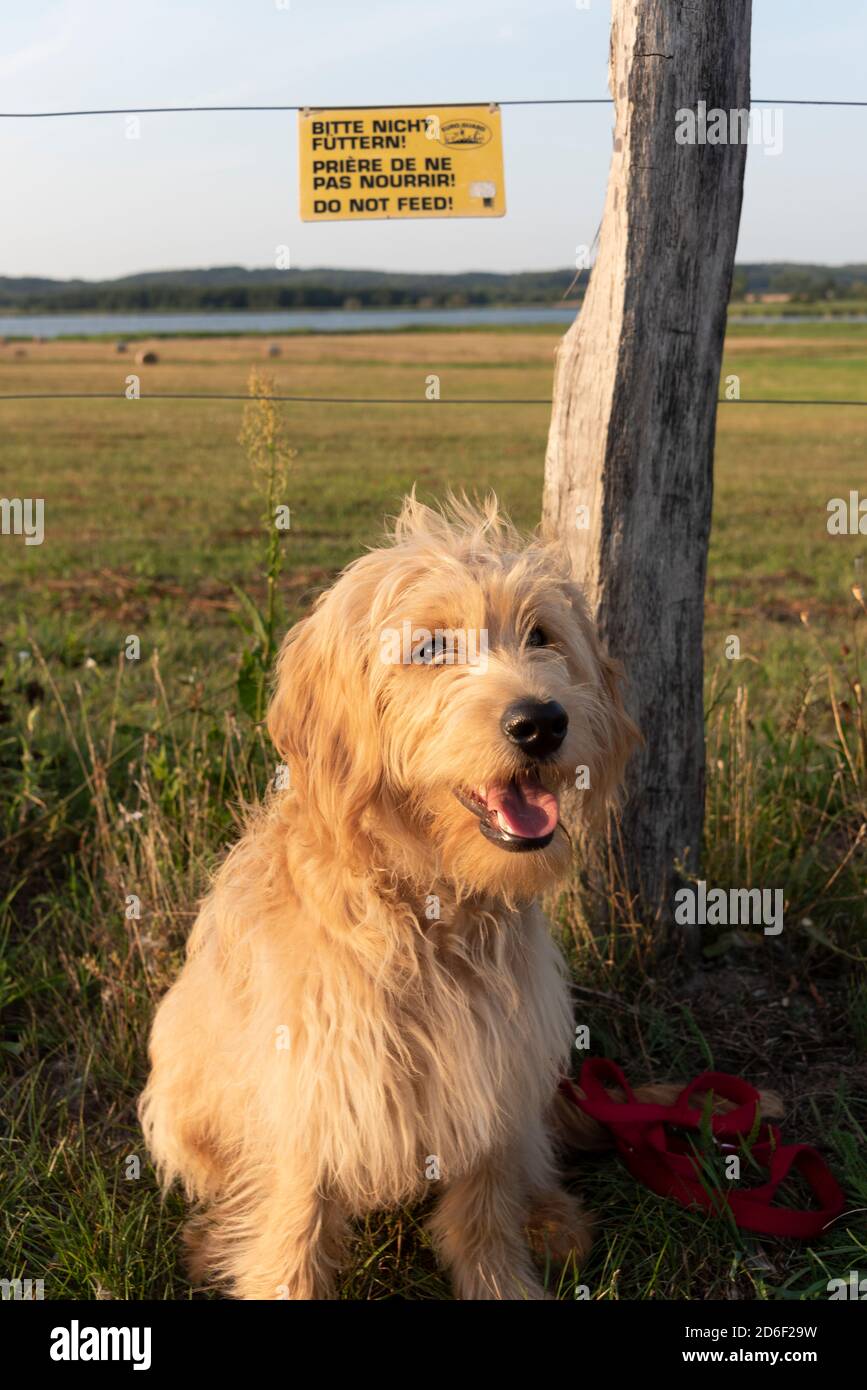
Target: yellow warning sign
{"points": [[416, 161]]}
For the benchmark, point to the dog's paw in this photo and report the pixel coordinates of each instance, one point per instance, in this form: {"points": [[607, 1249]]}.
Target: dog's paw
{"points": [[558, 1228]]}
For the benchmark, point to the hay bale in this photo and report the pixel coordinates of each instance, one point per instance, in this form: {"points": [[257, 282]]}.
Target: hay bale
{"points": [[146, 359]]}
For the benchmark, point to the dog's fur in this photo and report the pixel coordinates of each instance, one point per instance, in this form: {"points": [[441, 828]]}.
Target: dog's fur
{"points": [[332, 1042]]}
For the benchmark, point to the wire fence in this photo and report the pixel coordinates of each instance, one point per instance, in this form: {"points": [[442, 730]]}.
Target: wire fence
{"points": [[376, 400], [358, 400], [439, 105]]}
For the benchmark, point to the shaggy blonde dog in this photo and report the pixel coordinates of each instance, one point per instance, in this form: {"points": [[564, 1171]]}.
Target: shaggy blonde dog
{"points": [[372, 1008]]}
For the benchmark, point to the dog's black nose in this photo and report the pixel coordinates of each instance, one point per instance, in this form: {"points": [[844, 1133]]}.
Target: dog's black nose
{"points": [[538, 729]]}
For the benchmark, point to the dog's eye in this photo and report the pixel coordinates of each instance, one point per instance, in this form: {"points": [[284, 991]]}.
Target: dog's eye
{"points": [[537, 638], [430, 653]]}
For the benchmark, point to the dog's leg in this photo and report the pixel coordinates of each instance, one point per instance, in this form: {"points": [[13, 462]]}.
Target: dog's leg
{"points": [[478, 1228], [296, 1245], [558, 1228]]}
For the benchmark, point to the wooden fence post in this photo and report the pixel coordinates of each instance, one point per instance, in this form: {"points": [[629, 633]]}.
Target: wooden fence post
{"points": [[634, 412]]}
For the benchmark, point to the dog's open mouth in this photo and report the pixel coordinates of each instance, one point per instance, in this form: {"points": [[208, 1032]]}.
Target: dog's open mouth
{"points": [[517, 815]]}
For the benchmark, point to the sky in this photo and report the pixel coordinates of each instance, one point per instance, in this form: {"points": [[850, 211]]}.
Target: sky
{"points": [[81, 199]]}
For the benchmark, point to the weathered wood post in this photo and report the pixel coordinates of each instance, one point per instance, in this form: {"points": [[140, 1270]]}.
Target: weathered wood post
{"points": [[634, 413]]}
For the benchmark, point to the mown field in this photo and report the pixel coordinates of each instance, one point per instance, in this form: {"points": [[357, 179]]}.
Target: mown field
{"points": [[121, 777]]}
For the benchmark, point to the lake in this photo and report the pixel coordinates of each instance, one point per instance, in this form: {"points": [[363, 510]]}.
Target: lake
{"points": [[308, 320], [328, 321]]}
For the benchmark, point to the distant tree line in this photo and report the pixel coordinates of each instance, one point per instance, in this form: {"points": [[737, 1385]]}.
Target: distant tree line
{"points": [[236, 288], [804, 283], [200, 299]]}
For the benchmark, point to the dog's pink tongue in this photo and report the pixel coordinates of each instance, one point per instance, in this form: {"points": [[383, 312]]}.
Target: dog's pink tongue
{"points": [[523, 808]]}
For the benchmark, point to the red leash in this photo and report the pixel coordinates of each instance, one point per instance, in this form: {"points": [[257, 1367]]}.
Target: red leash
{"points": [[664, 1163]]}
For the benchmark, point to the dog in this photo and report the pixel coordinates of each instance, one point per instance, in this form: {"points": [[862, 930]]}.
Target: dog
{"points": [[373, 1009]]}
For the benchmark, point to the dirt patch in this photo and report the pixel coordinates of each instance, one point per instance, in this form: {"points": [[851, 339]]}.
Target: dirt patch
{"points": [[786, 1028], [778, 610], [129, 596]]}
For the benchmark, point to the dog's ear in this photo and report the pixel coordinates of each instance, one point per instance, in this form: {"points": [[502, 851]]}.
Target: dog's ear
{"points": [[322, 722]]}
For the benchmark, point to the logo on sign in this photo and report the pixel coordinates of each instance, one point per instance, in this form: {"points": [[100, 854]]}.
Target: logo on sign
{"points": [[465, 133]]}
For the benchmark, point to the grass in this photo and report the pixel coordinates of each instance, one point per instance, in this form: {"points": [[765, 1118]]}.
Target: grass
{"points": [[122, 778]]}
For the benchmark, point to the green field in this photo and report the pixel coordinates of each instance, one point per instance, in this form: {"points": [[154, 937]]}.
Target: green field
{"points": [[122, 777]]}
